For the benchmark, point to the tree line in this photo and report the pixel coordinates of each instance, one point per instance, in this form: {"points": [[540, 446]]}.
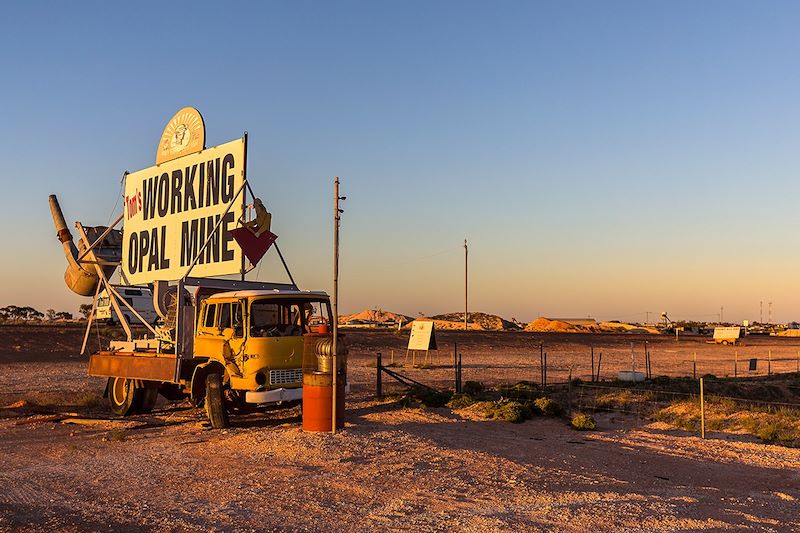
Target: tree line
{"points": [[14, 312]]}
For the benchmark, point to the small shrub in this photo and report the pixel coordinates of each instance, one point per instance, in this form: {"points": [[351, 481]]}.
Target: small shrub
{"points": [[547, 406], [511, 412], [522, 389], [403, 400], [583, 422], [661, 380], [472, 388], [430, 397], [118, 435], [89, 400], [485, 408], [769, 430], [460, 401], [531, 406], [715, 423]]}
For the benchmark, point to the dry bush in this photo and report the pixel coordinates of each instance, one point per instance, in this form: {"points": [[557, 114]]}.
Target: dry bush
{"points": [[547, 407], [781, 425], [460, 401], [583, 422], [506, 410]]}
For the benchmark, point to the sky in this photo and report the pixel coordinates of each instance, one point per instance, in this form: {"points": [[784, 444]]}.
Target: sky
{"points": [[605, 159]]}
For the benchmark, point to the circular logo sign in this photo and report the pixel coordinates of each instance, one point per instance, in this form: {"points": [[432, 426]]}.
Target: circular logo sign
{"points": [[184, 134]]}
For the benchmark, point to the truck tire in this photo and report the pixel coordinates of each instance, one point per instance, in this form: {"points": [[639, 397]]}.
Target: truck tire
{"points": [[215, 402], [121, 396]]}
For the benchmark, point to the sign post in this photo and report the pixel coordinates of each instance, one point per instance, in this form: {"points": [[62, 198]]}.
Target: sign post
{"points": [[423, 337]]}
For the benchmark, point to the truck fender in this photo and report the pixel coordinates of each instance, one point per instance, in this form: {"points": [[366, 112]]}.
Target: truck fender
{"points": [[201, 372]]}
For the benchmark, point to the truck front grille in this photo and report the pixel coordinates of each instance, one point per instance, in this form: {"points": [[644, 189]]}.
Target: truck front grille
{"points": [[285, 375]]}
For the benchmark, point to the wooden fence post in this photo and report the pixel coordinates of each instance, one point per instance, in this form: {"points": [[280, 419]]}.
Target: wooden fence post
{"points": [[702, 412]]}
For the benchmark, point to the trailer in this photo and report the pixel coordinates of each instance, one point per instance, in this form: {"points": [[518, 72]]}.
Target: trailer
{"points": [[727, 335]]}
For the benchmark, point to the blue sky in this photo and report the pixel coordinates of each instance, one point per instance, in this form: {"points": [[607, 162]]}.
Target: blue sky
{"points": [[602, 158]]}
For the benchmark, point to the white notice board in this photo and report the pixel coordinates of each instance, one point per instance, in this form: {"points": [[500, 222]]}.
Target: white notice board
{"points": [[423, 336]]}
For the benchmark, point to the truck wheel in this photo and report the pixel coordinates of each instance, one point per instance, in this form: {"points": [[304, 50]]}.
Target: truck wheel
{"points": [[121, 396], [145, 399], [215, 402]]}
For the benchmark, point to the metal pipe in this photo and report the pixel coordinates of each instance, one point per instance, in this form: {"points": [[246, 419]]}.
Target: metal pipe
{"points": [[80, 281], [335, 301], [466, 285]]}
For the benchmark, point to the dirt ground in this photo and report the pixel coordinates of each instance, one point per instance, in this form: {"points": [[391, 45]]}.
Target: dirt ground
{"points": [[391, 468]]}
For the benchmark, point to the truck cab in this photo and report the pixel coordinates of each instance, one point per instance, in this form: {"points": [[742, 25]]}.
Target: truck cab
{"points": [[254, 340]]}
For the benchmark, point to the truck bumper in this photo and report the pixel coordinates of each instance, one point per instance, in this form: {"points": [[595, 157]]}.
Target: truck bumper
{"points": [[274, 396], [279, 395]]}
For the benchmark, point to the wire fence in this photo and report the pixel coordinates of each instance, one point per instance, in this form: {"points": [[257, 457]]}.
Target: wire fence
{"points": [[594, 389], [546, 366]]}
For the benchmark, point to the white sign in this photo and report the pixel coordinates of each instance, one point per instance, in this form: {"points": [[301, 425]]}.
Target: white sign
{"points": [[422, 336], [172, 209]]}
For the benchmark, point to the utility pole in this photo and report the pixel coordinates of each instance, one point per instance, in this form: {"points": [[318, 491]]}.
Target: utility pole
{"points": [[770, 312], [466, 284], [761, 311], [336, 218], [720, 314]]}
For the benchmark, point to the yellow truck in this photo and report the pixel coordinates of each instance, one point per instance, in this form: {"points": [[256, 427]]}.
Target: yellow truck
{"points": [[247, 351], [225, 344]]}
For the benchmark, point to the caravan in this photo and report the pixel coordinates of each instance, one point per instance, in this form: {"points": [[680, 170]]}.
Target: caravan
{"points": [[139, 297]]}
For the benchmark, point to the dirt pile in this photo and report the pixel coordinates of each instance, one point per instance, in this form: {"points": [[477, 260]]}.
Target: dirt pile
{"points": [[486, 321], [376, 315], [545, 325], [622, 327], [446, 324]]}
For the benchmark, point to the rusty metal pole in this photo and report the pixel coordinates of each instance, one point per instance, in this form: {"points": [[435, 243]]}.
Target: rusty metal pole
{"points": [[243, 272], [466, 285], [336, 216]]}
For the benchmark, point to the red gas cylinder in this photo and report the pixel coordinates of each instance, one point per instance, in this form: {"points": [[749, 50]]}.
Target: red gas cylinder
{"points": [[318, 401]]}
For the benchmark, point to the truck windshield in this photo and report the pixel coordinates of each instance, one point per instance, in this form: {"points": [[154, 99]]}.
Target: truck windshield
{"points": [[281, 318]]}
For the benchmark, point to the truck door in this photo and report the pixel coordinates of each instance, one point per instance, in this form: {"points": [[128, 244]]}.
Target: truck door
{"points": [[231, 324]]}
